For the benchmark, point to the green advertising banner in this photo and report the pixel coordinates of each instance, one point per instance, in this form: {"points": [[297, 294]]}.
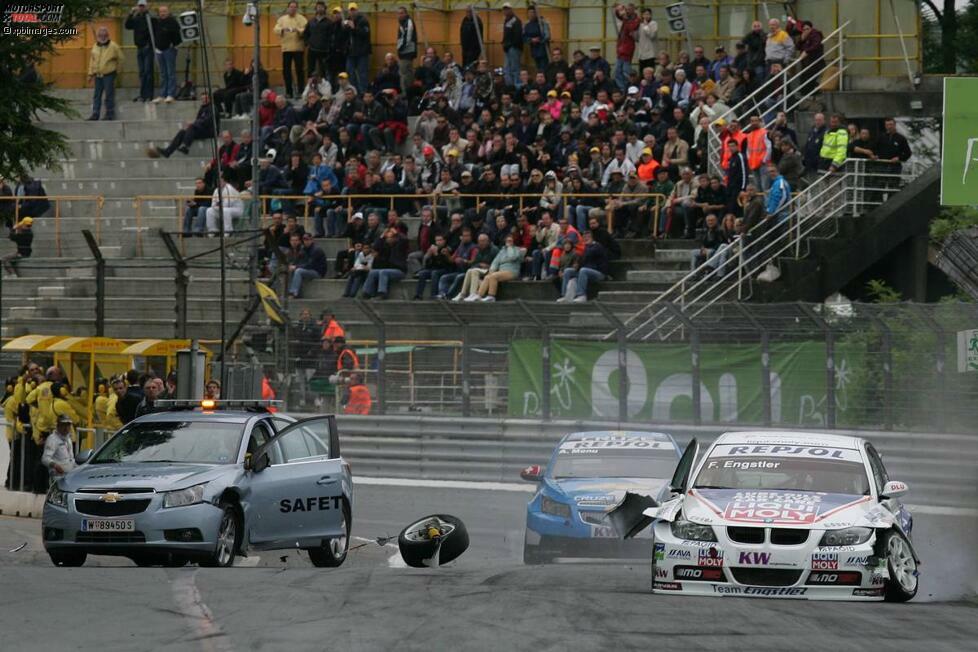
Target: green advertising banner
{"points": [[959, 159], [584, 382]]}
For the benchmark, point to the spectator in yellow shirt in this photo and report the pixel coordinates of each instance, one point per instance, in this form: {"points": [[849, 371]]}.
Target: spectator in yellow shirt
{"points": [[290, 28], [103, 66]]}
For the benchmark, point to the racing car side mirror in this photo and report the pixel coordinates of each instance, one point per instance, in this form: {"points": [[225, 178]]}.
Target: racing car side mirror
{"points": [[83, 456], [894, 489], [261, 462], [532, 473]]}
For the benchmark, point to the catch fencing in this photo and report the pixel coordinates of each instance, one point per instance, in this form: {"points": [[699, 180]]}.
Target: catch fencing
{"points": [[889, 366]]}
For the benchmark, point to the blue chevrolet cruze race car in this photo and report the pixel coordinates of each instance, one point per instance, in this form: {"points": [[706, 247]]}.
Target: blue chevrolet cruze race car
{"points": [[588, 474]]}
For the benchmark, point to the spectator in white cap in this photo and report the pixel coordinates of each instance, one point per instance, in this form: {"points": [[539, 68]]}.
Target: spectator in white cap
{"points": [[59, 453]]}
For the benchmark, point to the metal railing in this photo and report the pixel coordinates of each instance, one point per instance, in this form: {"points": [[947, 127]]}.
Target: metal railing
{"points": [[854, 189], [304, 210], [60, 211], [778, 93]]}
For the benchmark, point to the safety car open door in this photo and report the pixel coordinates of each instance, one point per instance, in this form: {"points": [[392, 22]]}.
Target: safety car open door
{"points": [[295, 488]]}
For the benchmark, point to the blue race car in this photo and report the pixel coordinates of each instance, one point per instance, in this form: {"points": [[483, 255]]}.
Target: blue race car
{"points": [[588, 474]]}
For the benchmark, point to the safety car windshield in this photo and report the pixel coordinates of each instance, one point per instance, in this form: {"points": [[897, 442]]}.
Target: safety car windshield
{"points": [[173, 441]]}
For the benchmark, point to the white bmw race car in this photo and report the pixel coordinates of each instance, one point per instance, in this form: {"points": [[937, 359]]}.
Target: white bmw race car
{"points": [[788, 515]]}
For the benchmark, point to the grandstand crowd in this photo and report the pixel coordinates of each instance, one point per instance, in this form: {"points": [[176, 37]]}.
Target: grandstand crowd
{"points": [[511, 167]]}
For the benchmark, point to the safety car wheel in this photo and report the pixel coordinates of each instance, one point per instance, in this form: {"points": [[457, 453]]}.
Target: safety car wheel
{"points": [[333, 552], [902, 583], [533, 555], [228, 536], [68, 558], [418, 548]]}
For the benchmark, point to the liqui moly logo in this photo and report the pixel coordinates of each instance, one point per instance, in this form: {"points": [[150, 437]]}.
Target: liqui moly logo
{"points": [[825, 561], [771, 507]]}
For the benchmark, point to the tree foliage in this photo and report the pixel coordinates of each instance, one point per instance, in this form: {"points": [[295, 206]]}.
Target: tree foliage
{"points": [[24, 144], [950, 36]]}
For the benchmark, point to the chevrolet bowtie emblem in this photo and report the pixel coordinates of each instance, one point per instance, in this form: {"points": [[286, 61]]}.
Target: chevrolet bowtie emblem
{"points": [[111, 497]]}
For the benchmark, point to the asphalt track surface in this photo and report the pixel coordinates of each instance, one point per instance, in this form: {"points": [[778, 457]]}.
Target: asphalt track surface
{"points": [[487, 600]]}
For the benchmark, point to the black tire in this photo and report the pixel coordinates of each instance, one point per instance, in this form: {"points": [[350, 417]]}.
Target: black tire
{"points": [[146, 560], [228, 538], [416, 552], [67, 558], [901, 586], [333, 551], [534, 555]]}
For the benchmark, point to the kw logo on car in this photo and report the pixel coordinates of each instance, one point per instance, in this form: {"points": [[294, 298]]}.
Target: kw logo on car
{"points": [[755, 558], [309, 504]]}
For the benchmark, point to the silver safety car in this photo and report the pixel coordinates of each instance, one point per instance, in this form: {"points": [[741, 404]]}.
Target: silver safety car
{"points": [[205, 485]]}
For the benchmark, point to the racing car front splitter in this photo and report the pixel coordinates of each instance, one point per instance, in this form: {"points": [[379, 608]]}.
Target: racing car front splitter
{"points": [[724, 568]]}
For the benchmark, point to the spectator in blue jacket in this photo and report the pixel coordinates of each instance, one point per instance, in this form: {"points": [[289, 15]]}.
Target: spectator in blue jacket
{"points": [[779, 195], [311, 266], [593, 267], [536, 32]]}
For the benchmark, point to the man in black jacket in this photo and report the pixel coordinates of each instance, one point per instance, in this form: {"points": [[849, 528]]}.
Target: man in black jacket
{"points": [[737, 176], [712, 240], [592, 267], [892, 151], [127, 405], [316, 35], [357, 29], [234, 82], [166, 38], [312, 265], [139, 22], [407, 47], [390, 264], [471, 35], [512, 45], [21, 235], [201, 127], [604, 238]]}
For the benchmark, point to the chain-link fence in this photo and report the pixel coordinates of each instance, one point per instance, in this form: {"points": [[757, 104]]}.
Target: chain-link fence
{"points": [[893, 366]]}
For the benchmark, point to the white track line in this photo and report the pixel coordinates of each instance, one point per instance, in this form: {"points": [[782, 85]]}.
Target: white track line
{"points": [[395, 560], [446, 484], [187, 598]]}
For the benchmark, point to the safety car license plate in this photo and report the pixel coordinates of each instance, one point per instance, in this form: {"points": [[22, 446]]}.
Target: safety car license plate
{"points": [[114, 525]]}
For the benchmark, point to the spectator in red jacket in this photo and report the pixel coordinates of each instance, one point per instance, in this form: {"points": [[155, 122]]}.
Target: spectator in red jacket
{"points": [[629, 20]]}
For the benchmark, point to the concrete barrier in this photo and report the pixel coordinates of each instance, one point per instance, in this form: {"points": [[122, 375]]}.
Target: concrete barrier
{"points": [[941, 469]]}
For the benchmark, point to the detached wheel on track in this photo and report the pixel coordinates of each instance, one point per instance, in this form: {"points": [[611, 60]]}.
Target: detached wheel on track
{"points": [[418, 546], [333, 552], [902, 567]]}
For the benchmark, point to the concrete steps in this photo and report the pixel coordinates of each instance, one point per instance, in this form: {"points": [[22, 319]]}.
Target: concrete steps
{"points": [[133, 131]]}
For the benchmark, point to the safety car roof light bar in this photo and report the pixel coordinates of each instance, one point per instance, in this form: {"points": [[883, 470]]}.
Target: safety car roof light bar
{"points": [[250, 405]]}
